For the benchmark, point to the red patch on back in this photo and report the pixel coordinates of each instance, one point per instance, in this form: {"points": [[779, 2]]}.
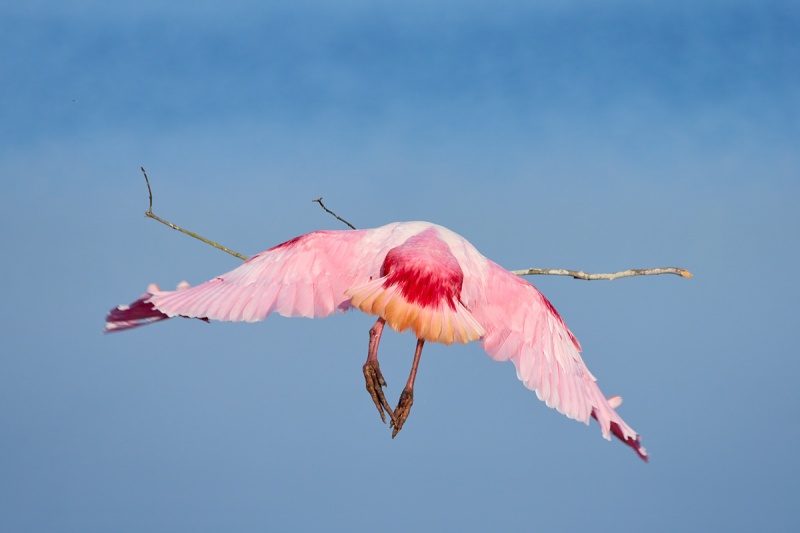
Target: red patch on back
{"points": [[552, 309], [555, 314], [288, 244], [427, 273]]}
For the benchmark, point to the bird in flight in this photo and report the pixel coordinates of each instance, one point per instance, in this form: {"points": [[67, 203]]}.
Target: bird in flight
{"points": [[411, 275]]}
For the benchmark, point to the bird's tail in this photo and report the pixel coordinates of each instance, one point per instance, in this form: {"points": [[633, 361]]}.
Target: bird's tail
{"points": [[139, 313]]}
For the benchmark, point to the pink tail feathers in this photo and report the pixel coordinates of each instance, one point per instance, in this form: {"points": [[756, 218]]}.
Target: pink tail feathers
{"points": [[139, 313]]}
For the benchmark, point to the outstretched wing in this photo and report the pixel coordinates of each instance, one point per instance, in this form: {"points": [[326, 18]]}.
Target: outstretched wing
{"points": [[522, 326], [306, 276]]}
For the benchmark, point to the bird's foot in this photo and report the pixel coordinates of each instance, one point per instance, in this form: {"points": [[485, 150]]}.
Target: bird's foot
{"points": [[402, 410], [375, 384]]}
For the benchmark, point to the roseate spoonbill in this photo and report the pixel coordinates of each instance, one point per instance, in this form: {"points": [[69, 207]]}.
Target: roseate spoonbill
{"points": [[411, 275]]}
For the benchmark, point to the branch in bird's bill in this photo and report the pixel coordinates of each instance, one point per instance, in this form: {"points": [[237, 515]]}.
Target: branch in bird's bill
{"points": [[577, 274]]}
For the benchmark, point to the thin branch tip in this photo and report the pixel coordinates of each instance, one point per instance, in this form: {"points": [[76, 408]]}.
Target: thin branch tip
{"points": [[149, 213], [337, 217]]}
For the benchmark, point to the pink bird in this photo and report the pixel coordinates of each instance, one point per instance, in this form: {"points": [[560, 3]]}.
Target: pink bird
{"points": [[411, 275]]}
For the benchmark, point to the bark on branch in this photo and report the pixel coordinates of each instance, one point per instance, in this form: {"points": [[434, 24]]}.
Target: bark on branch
{"points": [[580, 274]]}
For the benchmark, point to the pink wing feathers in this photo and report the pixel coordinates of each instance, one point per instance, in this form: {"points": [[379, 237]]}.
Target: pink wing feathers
{"points": [[305, 276], [522, 326]]}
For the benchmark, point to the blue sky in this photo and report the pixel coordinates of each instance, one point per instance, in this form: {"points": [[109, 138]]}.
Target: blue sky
{"points": [[553, 134]]}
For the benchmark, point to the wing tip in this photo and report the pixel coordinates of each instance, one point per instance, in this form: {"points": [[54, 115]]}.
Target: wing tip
{"points": [[633, 441], [139, 313], [620, 429]]}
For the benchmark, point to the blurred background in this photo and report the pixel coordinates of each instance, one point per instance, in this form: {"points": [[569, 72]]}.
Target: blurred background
{"points": [[550, 134]]}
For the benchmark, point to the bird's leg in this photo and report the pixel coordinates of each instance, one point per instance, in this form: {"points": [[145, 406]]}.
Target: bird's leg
{"points": [[407, 396], [372, 371]]}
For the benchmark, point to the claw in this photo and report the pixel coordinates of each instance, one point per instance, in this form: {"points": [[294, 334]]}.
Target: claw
{"points": [[375, 383], [402, 410]]}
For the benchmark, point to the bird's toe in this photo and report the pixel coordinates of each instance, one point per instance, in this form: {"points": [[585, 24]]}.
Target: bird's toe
{"points": [[375, 383]]}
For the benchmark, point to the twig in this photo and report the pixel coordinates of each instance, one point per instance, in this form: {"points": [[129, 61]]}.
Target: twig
{"points": [[149, 213], [577, 274], [580, 274], [319, 201]]}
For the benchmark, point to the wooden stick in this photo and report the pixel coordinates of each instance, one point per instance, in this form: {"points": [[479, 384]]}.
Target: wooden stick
{"points": [[577, 274], [149, 213], [580, 274], [319, 201]]}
